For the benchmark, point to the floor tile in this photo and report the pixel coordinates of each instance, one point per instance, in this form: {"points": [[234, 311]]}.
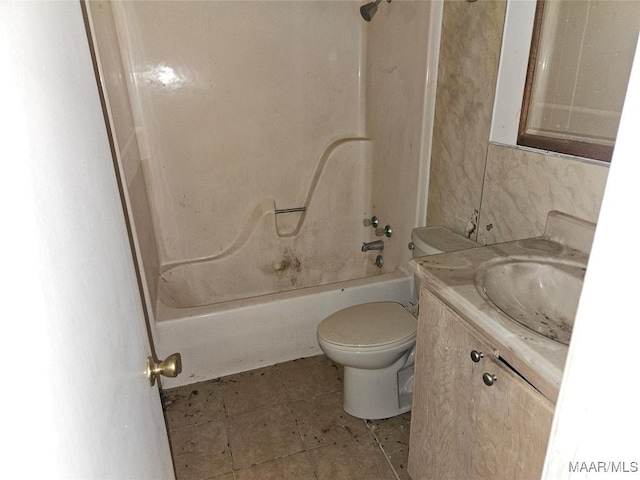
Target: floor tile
{"points": [[192, 404], [201, 451], [286, 421], [262, 435], [293, 467], [307, 377], [393, 435], [322, 420], [248, 391], [359, 458]]}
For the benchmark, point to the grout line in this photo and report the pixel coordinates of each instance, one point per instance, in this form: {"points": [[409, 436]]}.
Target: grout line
{"points": [[313, 465], [304, 445], [372, 431]]}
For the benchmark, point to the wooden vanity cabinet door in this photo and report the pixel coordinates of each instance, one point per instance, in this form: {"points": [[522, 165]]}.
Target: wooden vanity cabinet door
{"points": [[460, 427], [442, 428], [512, 425]]}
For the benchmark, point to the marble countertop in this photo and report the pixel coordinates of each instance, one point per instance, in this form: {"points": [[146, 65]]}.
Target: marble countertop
{"points": [[451, 277]]}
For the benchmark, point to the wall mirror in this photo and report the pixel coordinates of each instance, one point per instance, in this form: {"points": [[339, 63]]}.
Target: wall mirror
{"points": [[579, 66]]}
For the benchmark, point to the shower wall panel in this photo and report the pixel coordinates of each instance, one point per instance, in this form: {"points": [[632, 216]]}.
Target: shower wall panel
{"points": [[235, 104], [401, 58], [267, 263], [104, 33]]}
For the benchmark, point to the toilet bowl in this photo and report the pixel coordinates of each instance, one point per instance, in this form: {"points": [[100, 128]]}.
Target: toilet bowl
{"points": [[375, 342]]}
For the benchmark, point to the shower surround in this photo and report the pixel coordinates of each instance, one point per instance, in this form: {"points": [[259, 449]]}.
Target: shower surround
{"points": [[223, 113]]}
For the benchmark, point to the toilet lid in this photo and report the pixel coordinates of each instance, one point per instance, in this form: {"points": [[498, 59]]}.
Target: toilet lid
{"points": [[369, 325]]}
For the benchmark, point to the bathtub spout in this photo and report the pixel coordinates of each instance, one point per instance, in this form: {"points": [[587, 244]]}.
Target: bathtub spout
{"points": [[377, 245]]}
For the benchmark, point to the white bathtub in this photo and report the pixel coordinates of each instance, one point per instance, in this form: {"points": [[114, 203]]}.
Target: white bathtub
{"points": [[242, 335]]}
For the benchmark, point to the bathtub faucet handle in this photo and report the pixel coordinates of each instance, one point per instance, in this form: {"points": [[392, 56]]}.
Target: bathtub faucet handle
{"points": [[386, 231], [371, 222]]}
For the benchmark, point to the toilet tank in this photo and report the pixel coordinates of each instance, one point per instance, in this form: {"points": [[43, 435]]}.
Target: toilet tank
{"points": [[435, 240]]}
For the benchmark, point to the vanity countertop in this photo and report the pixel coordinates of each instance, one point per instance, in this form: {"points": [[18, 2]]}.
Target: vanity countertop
{"points": [[452, 276]]}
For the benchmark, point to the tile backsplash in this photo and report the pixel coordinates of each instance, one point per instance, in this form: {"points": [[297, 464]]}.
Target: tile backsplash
{"points": [[521, 187]]}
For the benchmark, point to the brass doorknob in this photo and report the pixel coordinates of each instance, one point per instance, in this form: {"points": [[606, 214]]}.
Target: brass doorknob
{"points": [[169, 367]]}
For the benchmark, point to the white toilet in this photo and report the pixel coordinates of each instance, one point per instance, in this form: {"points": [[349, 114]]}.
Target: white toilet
{"points": [[375, 342]]}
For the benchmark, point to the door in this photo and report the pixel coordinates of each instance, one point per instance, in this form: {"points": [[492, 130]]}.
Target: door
{"points": [[76, 402]]}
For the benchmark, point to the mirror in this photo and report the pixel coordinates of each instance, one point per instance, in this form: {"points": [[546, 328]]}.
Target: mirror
{"points": [[579, 67]]}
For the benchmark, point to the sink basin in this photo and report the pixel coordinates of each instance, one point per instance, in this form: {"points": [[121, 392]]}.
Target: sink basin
{"points": [[538, 293]]}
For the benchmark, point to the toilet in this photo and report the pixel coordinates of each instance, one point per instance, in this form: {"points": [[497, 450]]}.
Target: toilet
{"points": [[375, 342]]}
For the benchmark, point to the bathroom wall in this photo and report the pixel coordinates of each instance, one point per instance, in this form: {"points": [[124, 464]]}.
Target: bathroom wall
{"points": [[512, 188], [247, 107], [399, 102], [467, 72], [235, 106], [113, 77]]}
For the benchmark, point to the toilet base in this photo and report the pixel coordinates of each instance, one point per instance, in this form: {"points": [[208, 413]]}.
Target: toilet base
{"points": [[373, 394]]}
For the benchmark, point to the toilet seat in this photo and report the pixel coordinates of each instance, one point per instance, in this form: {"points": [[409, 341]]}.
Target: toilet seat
{"points": [[369, 326]]}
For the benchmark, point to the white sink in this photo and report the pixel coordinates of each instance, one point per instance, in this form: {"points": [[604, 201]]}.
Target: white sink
{"points": [[539, 293]]}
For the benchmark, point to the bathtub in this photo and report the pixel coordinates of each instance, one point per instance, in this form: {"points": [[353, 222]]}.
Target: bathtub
{"points": [[246, 334]]}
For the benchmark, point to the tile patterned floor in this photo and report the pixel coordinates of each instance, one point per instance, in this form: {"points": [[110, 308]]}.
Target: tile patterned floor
{"points": [[280, 422]]}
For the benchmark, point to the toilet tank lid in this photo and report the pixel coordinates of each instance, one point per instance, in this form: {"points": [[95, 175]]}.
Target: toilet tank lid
{"points": [[434, 240]]}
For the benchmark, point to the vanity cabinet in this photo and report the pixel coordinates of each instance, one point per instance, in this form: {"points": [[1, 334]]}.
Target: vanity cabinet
{"points": [[472, 418]]}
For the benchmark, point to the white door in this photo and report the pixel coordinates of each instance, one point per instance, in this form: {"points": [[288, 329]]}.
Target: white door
{"points": [[75, 401]]}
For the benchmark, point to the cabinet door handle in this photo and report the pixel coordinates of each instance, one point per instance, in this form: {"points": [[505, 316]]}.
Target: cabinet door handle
{"points": [[489, 379], [476, 356]]}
